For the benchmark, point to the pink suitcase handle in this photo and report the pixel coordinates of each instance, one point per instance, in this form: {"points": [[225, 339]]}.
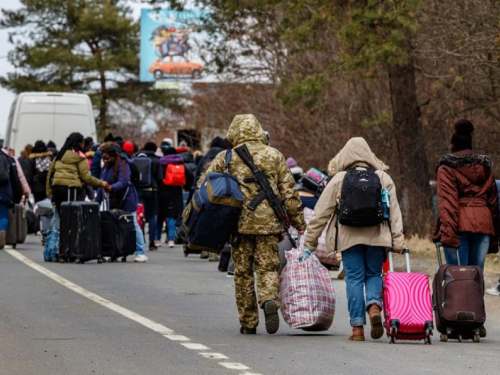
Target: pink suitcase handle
{"points": [[406, 252]]}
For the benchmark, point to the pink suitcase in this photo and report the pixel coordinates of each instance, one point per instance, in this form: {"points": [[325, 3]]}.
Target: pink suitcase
{"points": [[407, 304]]}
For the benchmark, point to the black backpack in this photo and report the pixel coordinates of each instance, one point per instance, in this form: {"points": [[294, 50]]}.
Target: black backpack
{"points": [[134, 175], [4, 169], [361, 199]]}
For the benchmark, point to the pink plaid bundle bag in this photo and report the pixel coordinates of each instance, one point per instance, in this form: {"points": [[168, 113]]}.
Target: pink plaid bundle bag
{"points": [[307, 296]]}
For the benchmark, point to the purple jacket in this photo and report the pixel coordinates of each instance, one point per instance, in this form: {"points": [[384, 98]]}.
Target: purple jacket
{"points": [[124, 195], [171, 159]]}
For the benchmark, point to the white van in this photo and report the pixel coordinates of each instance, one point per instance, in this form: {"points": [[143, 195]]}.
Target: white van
{"points": [[48, 116]]}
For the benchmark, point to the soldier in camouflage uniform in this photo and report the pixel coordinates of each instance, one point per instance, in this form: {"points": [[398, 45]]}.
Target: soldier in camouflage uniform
{"points": [[260, 230]]}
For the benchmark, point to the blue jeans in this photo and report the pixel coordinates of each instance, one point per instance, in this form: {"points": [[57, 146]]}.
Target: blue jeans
{"points": [[4, 217], [363, 270], [473, 250], [140, 248], [149, 200], [171, 229]]}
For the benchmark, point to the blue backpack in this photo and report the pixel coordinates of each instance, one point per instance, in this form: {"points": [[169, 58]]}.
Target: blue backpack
{"points": [[212, 215]]}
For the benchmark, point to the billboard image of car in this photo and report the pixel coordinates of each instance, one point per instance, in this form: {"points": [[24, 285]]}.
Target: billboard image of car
{"points": [[167, 40]]}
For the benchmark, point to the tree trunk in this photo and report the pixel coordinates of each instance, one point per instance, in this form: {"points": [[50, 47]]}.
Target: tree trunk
{"points": [[414, 191], [103, 107]]}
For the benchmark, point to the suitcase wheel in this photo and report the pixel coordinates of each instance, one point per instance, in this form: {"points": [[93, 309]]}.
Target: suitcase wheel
{"points": [[477, 338], [428, 341], [392, 340], [124, 259], [78, 261], [444, 337], [99, 261]]}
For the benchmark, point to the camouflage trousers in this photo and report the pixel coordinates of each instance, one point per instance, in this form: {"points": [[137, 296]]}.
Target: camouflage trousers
{"points": [[259, 254]]}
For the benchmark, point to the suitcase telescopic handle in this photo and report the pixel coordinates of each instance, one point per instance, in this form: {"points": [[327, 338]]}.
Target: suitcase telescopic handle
{"points": [[439, 245], [406, 252]]}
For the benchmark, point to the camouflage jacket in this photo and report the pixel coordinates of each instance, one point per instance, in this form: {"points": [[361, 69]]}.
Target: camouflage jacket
{"points": [[263, 221]]}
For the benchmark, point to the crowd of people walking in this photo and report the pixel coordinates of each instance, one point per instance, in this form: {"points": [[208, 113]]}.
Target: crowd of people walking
{"points": [[121, 175]]}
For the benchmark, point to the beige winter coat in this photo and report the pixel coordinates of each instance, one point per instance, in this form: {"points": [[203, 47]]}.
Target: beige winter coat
{"points": [[356, 153]]}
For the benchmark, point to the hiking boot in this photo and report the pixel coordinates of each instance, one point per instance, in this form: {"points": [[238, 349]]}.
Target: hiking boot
{"points": [[3, 239], [152, 246], [377, 330], [271, 315], [358, 334], [495, 291], [248, 331], [204, 255], [482, 332]]}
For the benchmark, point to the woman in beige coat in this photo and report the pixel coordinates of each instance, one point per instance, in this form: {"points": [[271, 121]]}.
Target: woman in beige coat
{"points": [[363, 248]]}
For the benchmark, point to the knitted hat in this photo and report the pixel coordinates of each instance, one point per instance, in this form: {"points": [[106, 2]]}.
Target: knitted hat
{"points": [[291, 163], [128, 147], [167, 140], [462, 137]]}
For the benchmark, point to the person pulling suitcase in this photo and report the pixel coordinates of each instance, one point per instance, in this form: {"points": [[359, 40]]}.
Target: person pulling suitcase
{"points": [[122, 196]]}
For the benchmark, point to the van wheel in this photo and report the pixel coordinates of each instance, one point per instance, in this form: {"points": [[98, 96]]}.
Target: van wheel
{"points": [[158, 74]]}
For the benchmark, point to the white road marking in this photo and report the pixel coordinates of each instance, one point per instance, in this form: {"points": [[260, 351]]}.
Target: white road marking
{"points": [[194, 346], [177, 338], [234, 366], [148, 323], [213, 355]]}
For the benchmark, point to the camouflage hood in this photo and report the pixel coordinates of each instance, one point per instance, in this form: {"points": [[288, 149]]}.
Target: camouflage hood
{"points": [[245, 128]]}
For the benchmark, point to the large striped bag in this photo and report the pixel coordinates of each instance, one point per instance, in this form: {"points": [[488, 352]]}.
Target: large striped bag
{"points": [[307, 296]]}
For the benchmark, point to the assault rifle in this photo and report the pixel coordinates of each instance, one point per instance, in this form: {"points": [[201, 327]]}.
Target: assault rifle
{"points": [[266, 191]]}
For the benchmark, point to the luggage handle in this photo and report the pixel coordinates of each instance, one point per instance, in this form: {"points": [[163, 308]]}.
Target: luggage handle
{"points": [[406, 252], [71, 188], [439, 245]]}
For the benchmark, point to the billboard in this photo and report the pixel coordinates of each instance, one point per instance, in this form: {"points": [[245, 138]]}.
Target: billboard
{"points": [[169, 43]]}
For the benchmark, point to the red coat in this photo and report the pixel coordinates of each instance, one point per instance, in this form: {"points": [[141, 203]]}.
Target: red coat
{"points": [[467, 199]]}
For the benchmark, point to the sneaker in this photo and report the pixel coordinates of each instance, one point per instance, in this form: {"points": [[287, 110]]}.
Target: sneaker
{"points": [[248, 331], [230, 274], [204, 255], [213, 257], [3, 239], [171, 244], [495, 291], [141, 258], [152, 247], [157, 243], [271, 315]]}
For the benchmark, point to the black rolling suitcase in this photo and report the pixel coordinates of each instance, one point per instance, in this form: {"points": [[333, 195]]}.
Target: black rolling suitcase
{"points": [[80, 239], [118, 234], [18, 227], [458, 298]]}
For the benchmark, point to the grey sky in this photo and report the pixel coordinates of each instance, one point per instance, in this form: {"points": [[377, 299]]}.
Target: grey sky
{"points": [[6, 97]]}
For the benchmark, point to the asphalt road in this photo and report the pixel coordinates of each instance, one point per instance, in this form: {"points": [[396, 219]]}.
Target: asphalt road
{"points": [[177, 315]]}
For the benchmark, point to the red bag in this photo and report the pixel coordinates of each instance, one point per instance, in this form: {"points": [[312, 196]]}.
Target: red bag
{"points": [[175, 175], [140, 215]]}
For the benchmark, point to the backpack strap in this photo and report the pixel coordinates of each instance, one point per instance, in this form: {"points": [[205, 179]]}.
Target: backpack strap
{"points": [[229, 154]]}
